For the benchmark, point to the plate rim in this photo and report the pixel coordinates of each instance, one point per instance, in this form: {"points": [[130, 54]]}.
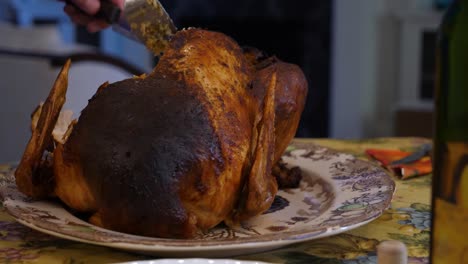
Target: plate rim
{"points": [[267, 240], [198, 248]]}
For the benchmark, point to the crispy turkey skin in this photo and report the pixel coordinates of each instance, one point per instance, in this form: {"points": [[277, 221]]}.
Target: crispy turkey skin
{"points": [[180, 150]]}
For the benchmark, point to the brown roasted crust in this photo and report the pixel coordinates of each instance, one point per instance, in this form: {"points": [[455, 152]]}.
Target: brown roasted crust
{"points": [[33, 175], [102, 86], [70, 184], [290, 97], [286, 177], [260, 187], [170, 148], [290, 94], [35, 116], [180, 150]]}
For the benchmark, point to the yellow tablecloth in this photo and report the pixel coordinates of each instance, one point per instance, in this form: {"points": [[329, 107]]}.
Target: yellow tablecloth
{"points": [[408, 220]]}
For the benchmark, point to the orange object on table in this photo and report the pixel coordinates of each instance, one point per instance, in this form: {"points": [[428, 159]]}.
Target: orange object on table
{"points": [[385, 157]]}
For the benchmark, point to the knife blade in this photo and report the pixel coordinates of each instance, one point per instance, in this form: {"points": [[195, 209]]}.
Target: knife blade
{"points": [[145, 21], [148, 21]]}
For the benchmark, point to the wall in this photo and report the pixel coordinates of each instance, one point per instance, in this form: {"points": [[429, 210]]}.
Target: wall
{"points": [[115, 44], [364, 84], [25, 82]]}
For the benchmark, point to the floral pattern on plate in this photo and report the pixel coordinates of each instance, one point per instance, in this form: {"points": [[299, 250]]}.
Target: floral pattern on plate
{"points": [[338, 192]]}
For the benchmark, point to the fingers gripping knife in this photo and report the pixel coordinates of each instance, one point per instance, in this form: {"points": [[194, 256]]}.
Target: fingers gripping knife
{"points": [[145, 21]]}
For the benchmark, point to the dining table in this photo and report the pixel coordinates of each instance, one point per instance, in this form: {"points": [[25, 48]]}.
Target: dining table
{"points": [[407, 220]]}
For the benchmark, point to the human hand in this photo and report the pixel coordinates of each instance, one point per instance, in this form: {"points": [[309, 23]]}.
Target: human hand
{"points": [[84, 11]]}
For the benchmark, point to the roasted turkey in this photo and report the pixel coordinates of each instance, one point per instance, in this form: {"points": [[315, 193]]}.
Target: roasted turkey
{"points": [[174, 152]]}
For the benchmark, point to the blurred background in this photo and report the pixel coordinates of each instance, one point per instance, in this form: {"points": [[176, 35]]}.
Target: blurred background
{"points": [[369, 63]]}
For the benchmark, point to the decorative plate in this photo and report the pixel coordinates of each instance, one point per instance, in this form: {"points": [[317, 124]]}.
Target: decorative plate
{"points": [[194, 261], [338, 192]]}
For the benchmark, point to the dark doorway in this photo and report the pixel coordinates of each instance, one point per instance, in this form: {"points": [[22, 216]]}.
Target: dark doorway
{"points": [[295, 31]]}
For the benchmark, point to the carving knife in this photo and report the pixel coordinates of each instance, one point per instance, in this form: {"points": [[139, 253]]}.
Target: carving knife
{"points": [[145, 21]]}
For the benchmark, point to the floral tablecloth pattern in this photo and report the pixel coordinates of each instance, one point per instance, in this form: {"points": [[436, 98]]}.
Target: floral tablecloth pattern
{"points": [[407, 220]]}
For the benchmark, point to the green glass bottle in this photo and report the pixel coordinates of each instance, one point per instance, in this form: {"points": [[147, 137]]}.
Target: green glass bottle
{"points": [[449, 241]]}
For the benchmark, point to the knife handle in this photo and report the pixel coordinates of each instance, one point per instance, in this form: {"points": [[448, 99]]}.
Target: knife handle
{"points": [[108, 11]]}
